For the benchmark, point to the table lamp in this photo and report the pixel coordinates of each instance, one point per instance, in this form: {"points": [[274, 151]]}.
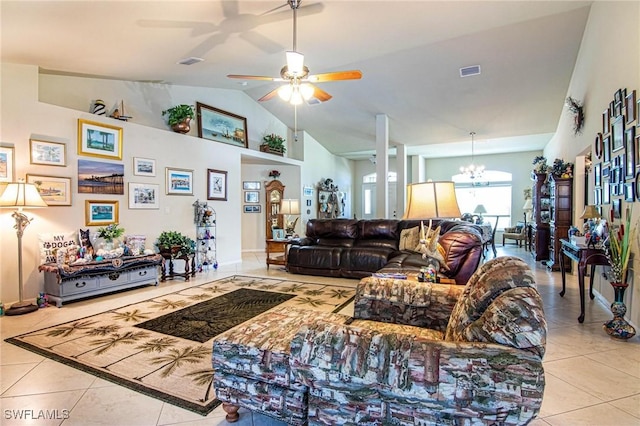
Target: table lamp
{"points": [[21, 195], [290, 207], [528, 206], [431, 200], [480, 210], [589, 213]]}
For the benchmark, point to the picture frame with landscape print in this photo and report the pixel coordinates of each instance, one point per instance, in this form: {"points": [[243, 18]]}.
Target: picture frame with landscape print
{"points": [[144, 196], [221, 126], [6, 164], [100, 212], [144, 166], [99, 140], [54, 190], [630, 107], [251, 185], [251, 197], [100, 177], [179, 181], [617, 133], [48, 153], [216, 185]]}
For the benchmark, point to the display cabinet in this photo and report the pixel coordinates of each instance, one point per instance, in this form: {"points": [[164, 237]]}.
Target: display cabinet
{"points": [[274, 193], [330, 200], [561, 216], [540, 217], [206, 244]]}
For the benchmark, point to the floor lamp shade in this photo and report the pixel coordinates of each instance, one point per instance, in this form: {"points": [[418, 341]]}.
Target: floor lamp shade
{"points": [[431, 200], [20, 195]]}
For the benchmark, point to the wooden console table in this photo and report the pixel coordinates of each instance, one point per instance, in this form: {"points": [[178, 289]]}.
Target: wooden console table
{"points": [[70, 282], [584, 256]]}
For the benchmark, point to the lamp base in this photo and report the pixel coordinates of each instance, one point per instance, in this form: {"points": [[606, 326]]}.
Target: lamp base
{"points": [[21, 308]]}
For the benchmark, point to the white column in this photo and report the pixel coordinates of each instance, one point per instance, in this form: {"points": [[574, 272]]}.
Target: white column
{"points": [[401, 188], [382, 166]]}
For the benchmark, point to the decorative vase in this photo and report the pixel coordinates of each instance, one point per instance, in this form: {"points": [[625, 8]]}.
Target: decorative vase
{"points": [[108, 245], [618, 327], [182, 127]]}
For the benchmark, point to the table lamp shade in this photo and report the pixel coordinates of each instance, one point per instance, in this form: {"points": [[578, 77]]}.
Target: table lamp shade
{"points": [[590, 212], [429, 200], [290, 206], [528, 205], [480, 209], [21, 195]]}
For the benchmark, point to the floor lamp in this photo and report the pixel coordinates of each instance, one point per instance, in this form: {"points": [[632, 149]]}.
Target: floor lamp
{"points": [[21, 195]]}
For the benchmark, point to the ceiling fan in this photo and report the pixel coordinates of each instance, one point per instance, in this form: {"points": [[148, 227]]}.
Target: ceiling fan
{"points": [[299, 85]]}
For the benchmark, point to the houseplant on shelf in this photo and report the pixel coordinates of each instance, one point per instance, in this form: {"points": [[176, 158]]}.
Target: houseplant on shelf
{"points": [[173, 244], [273, 144], [617, 249], [179, 117]]}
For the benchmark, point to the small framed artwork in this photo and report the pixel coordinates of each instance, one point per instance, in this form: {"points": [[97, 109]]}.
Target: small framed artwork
{"points": [[605, 171], [605, 121], [251, 197], [629, 136], [597, 173], [606, 149], [48, 153], [597, 196], [278, 233], [99, 140], [100, 177], [629, 193], [144, 196], [100, 212], [612, 108], [252, 209], [216, 185], [221, 126], [144, 166], [617, 97], [6, 164], [630, 155], [618, 109], [630, 107], [616, 205], [307, 191], [179, 181], [606, 192], [617, 133], [251, 186], [54, 190]]}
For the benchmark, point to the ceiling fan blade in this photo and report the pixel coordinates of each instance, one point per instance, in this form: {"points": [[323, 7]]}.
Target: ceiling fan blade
{"points": [[320, 94], [335, 76], [253, 77], [269, 95]]}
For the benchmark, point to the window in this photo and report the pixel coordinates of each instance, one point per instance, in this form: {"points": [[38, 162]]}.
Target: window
{"points": [[493, 191]]}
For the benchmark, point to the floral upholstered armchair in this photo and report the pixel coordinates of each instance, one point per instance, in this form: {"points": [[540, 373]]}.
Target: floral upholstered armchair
{"points": [[484, 368]]}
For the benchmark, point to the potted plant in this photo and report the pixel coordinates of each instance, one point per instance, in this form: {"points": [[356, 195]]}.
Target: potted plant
{"points": [[273, 144], [179, 117], [174, 244]]}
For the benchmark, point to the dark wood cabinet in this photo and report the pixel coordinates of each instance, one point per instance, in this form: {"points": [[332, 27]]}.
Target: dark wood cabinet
{"points": [[541, 217], [561, 214]]}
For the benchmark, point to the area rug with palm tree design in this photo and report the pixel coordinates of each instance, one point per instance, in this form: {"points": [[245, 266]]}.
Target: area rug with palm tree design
{"points": [[162, 346]]}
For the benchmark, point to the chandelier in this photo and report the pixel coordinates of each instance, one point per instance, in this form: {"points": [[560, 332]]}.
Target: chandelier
{"points": [[472, 171]]}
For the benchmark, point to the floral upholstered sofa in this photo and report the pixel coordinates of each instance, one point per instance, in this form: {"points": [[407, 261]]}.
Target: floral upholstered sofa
{"points": [[484, 368]]}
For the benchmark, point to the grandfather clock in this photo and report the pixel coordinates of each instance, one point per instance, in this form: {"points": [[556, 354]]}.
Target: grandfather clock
{"points": [[274, 195]]}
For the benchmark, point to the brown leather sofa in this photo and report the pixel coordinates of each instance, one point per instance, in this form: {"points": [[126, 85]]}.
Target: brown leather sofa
{"points": [[351, 248]]}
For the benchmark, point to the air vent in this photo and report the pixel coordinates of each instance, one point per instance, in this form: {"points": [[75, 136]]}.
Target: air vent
{"points": [[469, 71], [190, 61]]}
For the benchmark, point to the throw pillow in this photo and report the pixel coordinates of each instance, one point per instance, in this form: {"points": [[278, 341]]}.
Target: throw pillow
{"points": [[49, 243], [409, 238]]}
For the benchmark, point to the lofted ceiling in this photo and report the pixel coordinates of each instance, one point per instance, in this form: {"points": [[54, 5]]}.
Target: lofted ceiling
{"points": [[409, 52]]}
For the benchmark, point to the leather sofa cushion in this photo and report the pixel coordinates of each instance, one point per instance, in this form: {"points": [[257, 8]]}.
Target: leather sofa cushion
{"points": [[315, 257], [378, 228], [335, 242], [365, 258], [332, 228], [377, 242]]}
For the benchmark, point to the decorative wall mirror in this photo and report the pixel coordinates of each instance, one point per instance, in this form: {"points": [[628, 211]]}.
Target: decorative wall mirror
{"points": [[274, 191]]}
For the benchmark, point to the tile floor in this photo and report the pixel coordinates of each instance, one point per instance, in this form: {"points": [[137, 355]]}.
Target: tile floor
{"points": [[591, 378]]}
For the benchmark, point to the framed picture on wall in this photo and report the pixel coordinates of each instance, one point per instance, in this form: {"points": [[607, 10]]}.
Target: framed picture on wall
{"points": [[597, 174], [616, 205], [216, 185], [251, 197], [144, 166], [221, 126], [48, 153], [630, 154], [606, 149], [143, 196], [100, 212], [606, 192], [630, 107], [617, 134], [99, 140], [179, 181], [629, 193], [6, 164], [597, 196], [54, 190]]}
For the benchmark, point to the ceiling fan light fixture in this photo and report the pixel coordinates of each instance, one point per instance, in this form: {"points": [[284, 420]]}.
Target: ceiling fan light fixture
{"points": [[296, 96], [285, 91], [306, 90], [295, 63]]}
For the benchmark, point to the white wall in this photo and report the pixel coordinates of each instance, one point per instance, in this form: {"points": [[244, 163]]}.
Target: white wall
{"points": [[608, 60]]}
